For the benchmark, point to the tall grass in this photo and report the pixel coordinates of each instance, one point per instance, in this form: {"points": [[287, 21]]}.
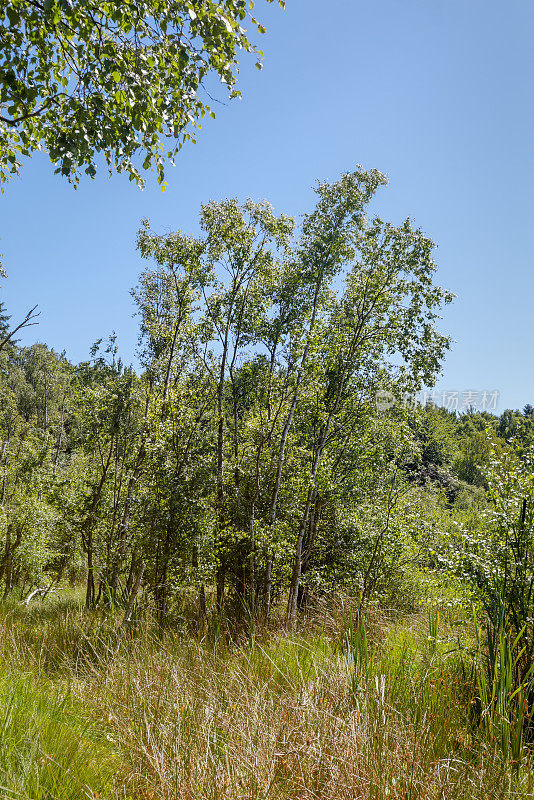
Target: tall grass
{"points": [[505, 691], [343, 709], [48, 749]]}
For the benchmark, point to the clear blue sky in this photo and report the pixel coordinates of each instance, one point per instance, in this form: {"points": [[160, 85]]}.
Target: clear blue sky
{"points": [[438, 95]]}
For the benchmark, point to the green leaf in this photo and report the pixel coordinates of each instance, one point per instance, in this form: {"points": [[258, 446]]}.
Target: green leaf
{"points": [[13, 16], [89, 51]]}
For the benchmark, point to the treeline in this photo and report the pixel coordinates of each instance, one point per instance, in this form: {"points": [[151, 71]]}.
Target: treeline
{"points": [[247, 460]]}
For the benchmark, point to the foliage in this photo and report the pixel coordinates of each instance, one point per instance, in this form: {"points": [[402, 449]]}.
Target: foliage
{"points": [[436, 430], [82, 79], [248, 457], [495, 555]]}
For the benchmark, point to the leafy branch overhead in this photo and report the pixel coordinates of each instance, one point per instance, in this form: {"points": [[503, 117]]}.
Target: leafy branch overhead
{"points": [[81, 79]]}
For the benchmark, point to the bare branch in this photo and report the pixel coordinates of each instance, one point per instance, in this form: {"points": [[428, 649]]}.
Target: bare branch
{"points": [[26, 323]]}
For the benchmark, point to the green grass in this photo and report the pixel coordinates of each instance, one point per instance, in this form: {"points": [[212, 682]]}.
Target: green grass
{"points": [[338, 710], [49, 749]]}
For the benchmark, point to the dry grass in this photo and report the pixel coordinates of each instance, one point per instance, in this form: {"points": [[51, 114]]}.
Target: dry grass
{"points": [[313, 716]]}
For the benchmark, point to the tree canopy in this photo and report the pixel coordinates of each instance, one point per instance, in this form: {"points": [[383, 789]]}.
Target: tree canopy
{"points": [[248, 454], [81, 79]]}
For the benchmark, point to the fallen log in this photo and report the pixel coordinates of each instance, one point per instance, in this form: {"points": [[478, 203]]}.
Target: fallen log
{"points": [[42, 591]]}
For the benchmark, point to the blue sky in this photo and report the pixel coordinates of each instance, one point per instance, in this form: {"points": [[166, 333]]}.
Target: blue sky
{"points": [[437, 95]]}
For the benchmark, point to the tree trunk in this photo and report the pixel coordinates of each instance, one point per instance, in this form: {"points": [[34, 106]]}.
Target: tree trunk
{"points": [[133, 595], [312, 492], [220, 581], [315, 517], [289, 421], [201, 590], [267, 587], [87, 530], [297, 562], [6, 568], [129, 580], [90, 588], [161, 589], [121, 550]]}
